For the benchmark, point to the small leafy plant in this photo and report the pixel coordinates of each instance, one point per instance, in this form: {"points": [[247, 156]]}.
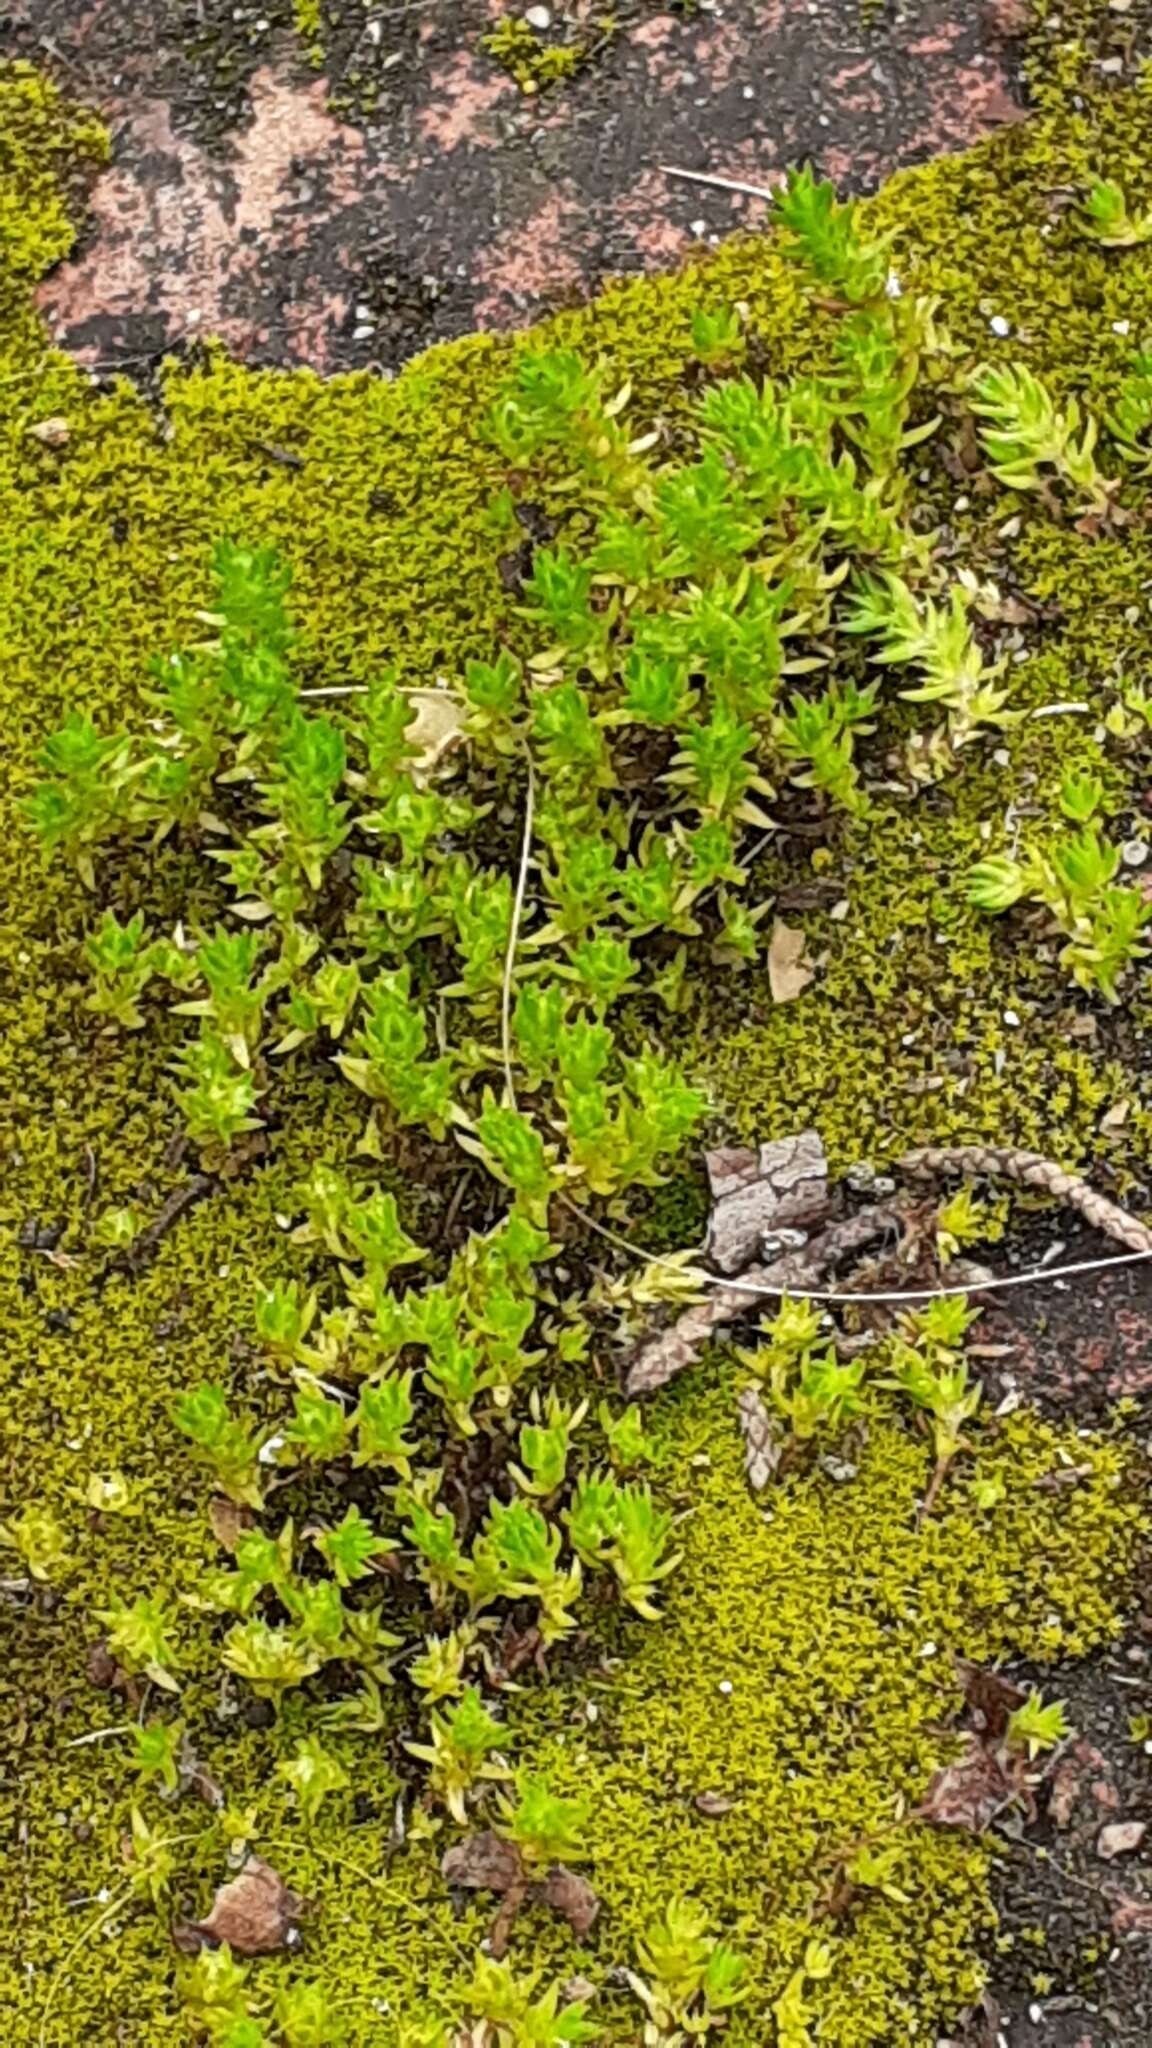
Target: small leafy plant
{"points": [[1031, 440], [1074, 880], [688, 1981], [1037, 1726], [931, 1371], [1107, 218]]}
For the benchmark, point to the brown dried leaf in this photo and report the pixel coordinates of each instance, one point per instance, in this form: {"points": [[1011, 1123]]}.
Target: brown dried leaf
{"points": [[255, 1913], [483, 1863], [1076, 1772], [970, 1792], [101, 1668], [1132, 1916], [572, 1897], [789, 968], [228, 1521], [989, 1698]]}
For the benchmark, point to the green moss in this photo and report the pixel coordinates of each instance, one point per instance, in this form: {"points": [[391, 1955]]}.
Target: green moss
{"points": [[103, 542], [536, 60], [804, 1670], [308, 21]]}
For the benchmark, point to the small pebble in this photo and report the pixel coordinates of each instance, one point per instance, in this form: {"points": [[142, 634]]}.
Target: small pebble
{"points": [[538, 17], [725, 1686], [1134, 852], [1000, 326], [1011, 1017], [1120, 1838], [1121, 327]]}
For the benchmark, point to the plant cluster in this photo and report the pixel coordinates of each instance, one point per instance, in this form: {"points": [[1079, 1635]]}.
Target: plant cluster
{"points": [[534, 60], [230, 2011], [688, 1981], [710, 587], [369, 898], [1073, 879], [813, 1392], [1107, 217]]}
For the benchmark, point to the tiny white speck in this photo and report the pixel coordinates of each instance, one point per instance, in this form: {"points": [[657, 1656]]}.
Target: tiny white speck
{"points": [[1000, 325], [1010, 1017], [928, 1650], [1121, 327], [749, 92], [699, 227], [893, 289], [266, 1455], [725, 1686]]}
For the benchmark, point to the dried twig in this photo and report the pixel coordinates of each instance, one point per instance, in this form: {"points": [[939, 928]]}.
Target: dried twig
{"points": [[680, 1346], [1031, 1170], [762, 1447], [141, 1252]]}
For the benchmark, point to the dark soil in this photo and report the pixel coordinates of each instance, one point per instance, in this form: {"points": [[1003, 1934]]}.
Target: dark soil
{"points": [[1078, 1921]]}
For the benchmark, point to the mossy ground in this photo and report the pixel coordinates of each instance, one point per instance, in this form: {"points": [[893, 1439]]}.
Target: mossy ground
{"points": [[831, 1617]]}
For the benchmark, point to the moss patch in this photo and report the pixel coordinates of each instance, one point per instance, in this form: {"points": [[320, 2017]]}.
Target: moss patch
{"points": [[835, 1695]]}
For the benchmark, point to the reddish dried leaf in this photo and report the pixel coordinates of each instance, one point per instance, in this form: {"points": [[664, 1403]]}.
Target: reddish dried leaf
{"points": [[255, 1913], [101, 1668], [970, 1792], [990, 1699], [483, 1863], [1072, 1782], [572, 1897], [1132, 1916]]}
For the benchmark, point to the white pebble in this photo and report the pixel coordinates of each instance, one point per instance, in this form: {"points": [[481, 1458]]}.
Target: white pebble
{"points": [[538, 17], [1010, 1017], [1000, 325], [725, 1686], [1121, 327]]}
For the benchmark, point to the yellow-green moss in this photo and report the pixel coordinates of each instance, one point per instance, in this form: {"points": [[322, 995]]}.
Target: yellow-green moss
{"points": [[819, 1616]]}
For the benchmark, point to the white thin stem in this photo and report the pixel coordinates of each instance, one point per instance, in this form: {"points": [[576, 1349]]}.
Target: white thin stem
{"points": [[722, 184], [739, 1286], [1061, 710], [337, 690], [514, 934]]}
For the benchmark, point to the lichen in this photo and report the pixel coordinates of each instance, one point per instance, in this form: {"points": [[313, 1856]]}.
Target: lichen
{"points": [[819, 1613]]}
